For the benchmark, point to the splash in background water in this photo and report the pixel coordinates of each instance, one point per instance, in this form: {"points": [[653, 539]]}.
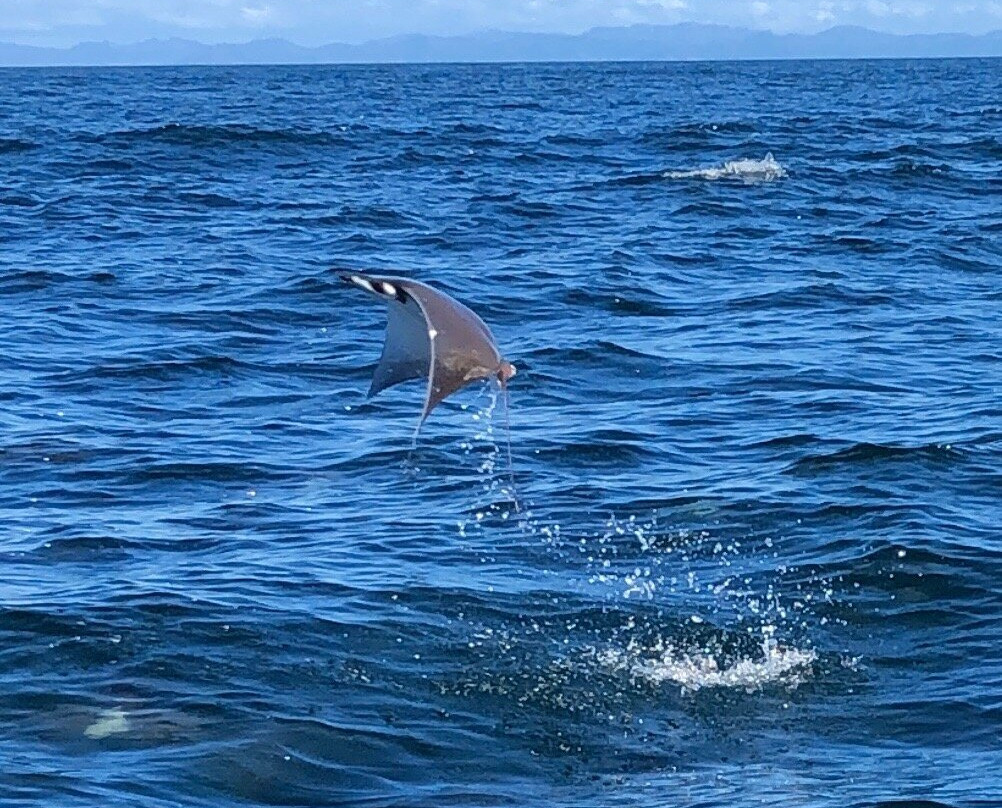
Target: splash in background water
{"points": [[747, 169]]}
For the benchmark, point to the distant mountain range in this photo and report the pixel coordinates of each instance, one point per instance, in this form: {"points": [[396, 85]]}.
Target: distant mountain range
{"points": [[687, 41]]}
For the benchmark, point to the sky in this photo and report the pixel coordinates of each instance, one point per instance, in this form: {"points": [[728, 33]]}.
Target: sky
{"points": [[314, 22]]}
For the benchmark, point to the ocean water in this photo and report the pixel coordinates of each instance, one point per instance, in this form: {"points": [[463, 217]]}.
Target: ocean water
{"points": [[753, 555]]}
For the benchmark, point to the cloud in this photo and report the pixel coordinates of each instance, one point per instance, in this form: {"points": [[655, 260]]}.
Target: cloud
{"points": [[256, 15], [312, 22]]}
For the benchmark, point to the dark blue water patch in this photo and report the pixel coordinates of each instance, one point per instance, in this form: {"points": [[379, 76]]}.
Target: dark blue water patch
{"points": [[374, 217], [748, 545], [22, 281], [870, 453], [696, 136], [224, 135], [14, 145]]}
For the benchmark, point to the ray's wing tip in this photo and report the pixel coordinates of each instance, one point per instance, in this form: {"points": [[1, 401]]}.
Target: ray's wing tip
{"points": [[362, 281]]}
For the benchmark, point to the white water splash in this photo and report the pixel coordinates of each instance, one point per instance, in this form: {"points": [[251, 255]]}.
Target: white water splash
{"points": [[697, 670], [747, 169], [729, 582]]}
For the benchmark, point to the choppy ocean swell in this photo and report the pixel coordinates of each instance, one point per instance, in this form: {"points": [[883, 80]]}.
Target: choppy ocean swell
{"points": [[747, 542]]}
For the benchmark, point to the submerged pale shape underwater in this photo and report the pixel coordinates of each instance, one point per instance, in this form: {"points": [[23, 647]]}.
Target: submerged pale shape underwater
{"points": [[757, 422]]}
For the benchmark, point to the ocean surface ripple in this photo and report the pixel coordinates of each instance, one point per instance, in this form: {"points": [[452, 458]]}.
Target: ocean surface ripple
{"points": [[754, 553]]}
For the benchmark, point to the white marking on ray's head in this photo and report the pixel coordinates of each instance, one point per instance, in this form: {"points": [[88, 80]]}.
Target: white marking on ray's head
{"points": [[360, 281], [389, 288]]}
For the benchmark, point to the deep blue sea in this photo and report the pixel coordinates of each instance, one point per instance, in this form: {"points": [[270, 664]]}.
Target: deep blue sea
{"points": [[754, 551]]}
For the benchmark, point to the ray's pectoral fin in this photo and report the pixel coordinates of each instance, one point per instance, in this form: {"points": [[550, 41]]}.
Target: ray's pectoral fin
{"points": [[389, 373], [438, 391], [407, 349]]}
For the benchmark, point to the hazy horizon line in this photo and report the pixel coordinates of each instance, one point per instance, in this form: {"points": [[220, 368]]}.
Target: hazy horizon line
{"points": [[640, 42], [507, 31]]}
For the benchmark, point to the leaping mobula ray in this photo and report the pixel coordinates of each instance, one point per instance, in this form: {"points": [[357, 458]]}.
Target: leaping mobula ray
{"points": [[430, 336]]}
